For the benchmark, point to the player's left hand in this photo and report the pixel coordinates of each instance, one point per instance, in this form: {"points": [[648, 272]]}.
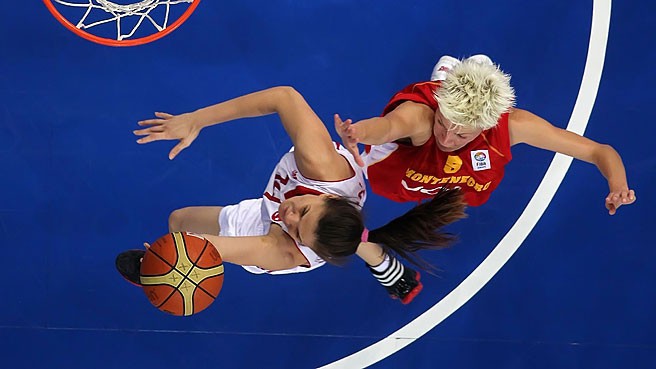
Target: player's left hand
{"points": [[617, 198], [350, 138]]}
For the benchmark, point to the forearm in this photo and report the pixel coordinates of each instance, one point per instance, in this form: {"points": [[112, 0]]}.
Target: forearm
{"points": [[252, 105], [609, 163], [408, 120], [263, 251], [374, 131], [535, 131], [238, 250]]}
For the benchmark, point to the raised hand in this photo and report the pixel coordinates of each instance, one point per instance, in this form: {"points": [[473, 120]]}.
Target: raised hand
{"points": [[350, 137], [169, 127], [617, 198]]}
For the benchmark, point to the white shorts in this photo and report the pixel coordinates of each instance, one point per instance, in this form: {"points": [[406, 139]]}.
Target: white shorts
{"points": [[245, 219]]}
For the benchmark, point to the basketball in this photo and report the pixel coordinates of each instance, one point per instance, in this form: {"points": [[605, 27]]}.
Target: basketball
{"points": [[182, 273]]}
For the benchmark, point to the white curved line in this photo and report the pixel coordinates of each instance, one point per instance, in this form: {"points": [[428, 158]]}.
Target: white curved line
{"points": [[522, 227]]}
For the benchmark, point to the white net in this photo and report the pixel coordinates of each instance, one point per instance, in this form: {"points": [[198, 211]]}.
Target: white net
{"points": [[128, 17]]}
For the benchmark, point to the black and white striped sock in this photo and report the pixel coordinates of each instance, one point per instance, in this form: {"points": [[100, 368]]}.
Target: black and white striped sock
{"points": [[388, 272]]}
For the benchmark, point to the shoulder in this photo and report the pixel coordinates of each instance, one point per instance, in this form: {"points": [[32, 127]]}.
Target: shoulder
{"points": [[423, 93], [526, 127], [328, 167], [415, 120], [519, 116], [424, 90]]}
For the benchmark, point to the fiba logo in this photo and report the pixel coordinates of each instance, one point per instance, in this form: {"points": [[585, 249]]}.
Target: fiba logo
{"points": [[480, 160]]}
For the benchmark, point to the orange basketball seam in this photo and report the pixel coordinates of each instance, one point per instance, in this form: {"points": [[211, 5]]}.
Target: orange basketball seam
{"points": [[175, 288], [196, 266]]}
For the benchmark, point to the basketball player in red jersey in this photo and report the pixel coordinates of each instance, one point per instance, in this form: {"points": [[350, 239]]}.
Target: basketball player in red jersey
{"points": [[456, 131]]}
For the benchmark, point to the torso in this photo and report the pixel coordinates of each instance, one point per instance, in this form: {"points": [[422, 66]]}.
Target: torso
{"points": [[404, 172], [287, 181]]}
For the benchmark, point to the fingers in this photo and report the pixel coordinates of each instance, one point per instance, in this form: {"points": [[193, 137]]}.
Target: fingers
{"points": [[631, 197], [149, 122], [616, 199], [177, 148], [341, 125], [163, 115], [146, 245], [611, 208], [152, 137], [622, 198], [147, 131], [358, 160]]}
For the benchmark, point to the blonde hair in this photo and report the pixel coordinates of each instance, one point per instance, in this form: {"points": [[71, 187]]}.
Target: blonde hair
{"points": [[474, 95]]}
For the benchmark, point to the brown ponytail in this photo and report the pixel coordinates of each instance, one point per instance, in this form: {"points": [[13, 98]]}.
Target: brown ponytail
{"points": [[420, 227]]}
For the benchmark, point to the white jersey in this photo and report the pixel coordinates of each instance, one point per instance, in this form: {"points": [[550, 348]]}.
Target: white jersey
{"points": [[287, 181]]}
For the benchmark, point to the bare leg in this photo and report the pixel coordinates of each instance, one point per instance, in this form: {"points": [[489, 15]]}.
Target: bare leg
{"points": [[196, 219]]}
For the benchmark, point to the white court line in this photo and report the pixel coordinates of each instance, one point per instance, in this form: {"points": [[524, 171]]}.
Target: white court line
{"points": [[522, 227]]}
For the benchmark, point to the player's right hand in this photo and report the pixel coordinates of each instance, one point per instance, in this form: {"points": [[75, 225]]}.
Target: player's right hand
{"points": [[350, 138], [619, 197], [169, 127]]}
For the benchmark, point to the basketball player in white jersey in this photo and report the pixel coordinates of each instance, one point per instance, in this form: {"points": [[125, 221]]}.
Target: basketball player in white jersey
{"points": [[309, 213]]}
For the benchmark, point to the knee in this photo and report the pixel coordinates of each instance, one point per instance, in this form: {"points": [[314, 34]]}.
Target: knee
{"points": [[176, 220]]}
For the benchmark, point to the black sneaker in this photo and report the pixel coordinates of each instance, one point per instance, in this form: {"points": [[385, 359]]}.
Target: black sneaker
{"points": [[128, 263], [401, 282], [406, 288]]}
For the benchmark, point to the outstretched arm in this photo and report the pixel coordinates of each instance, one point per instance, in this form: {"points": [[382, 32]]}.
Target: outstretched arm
{"points": [[528, 128], [314, 150], [409, 120], [186, 127]]}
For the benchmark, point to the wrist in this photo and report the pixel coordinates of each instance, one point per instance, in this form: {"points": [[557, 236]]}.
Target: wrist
{"points": [[196, 120], [617, 185]]}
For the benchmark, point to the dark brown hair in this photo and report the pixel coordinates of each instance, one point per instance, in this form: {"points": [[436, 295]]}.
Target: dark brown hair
{"points": [[340, 228], [338, 231]]}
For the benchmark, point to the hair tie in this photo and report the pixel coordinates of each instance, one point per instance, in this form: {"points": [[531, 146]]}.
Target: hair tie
{"points": [[365, 235]]}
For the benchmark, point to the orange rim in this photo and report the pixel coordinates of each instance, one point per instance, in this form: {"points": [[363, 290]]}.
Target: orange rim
{"points": [[111, 42]]}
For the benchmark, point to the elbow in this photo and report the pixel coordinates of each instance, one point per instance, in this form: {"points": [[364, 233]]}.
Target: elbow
{"points": [[287, 92], [604, 150], [284, 96], [604, 153]]}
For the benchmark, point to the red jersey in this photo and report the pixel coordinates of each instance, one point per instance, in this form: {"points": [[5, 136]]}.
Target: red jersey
{"points": [[402, 172]]}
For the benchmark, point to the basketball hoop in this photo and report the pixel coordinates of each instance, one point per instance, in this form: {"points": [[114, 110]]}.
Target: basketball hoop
{"points": [[112, 24]]}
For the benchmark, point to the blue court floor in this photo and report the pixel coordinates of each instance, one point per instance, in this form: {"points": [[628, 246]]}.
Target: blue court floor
{"points": [[574, 286]]}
